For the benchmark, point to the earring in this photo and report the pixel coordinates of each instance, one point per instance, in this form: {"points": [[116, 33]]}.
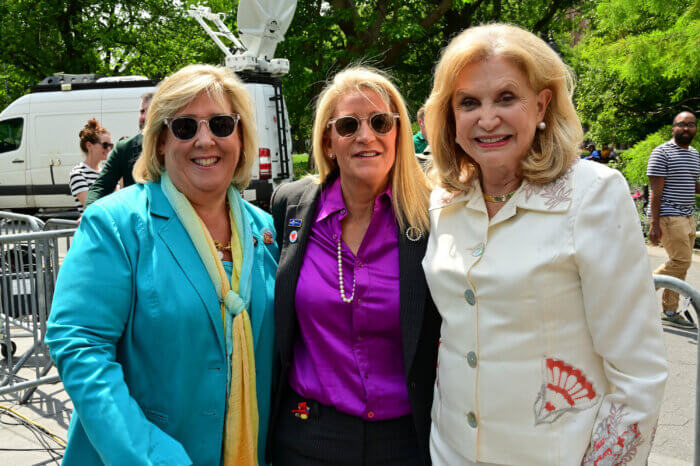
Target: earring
{"points": [[331, 156], [541, 125]]}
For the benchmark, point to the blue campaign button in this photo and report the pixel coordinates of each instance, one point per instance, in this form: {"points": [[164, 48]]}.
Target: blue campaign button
{"points": [[295, 223]]}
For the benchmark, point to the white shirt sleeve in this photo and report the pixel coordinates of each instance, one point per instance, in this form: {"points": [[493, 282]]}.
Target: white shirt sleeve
{"points": [[623, 318]]}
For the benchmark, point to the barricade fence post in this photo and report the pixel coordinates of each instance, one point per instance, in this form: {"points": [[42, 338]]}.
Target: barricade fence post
{"points": [[679, 286], [29, 263], [13, 223]]}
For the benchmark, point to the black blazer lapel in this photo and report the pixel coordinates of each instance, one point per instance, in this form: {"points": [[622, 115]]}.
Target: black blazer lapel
{"points": [[412, 294], [291, 258]]}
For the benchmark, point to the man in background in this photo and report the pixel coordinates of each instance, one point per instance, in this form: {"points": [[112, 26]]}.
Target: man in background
{"points": [[420, 143], [595, 154], [121, 160], [673, 171], [419, 140]]}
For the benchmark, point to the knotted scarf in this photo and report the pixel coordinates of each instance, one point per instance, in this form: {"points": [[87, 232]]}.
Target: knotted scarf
{"points": [[241, 426]]}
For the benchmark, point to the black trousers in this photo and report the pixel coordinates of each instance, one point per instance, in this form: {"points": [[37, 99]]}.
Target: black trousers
{"points": [[329, 437]]}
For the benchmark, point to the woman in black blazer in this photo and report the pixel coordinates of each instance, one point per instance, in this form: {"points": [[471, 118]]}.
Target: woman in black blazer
{"points": [[356, 328]]}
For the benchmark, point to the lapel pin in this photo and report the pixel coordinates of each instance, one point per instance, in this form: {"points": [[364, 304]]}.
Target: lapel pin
{"points": [[302, 410], [268, 238], [414, 234], [293, 236], [295, 223]]}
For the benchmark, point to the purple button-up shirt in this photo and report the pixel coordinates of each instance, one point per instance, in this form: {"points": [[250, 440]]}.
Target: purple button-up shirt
{"points": [[349, 355]]}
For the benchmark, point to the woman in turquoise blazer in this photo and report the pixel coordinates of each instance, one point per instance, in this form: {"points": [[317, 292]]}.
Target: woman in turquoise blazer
{"points": [[136, 326]]}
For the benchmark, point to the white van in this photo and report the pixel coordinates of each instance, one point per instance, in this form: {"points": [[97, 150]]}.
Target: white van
{"points": [[39, 141], [275, 164], [39, 136]]}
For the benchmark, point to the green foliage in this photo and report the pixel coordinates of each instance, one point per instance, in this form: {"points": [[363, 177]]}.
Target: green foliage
{"points": [[402, 37], [637, 67], [636, 158], [110, 37], [637, 64], [301, 166]]}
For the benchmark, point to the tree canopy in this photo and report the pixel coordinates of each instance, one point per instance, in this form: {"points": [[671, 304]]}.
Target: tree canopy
{"points": [[403, 37], [637, 67], [155, 37], [636, 60], [110, 37]]}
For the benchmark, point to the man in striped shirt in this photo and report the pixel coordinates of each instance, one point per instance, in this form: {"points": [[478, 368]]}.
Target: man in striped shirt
{"points": [[673, 170]]}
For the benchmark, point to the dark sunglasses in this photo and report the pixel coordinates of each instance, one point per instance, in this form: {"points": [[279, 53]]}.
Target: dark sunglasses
{"points": [[107, 145], [346, 126], [185, 128]]}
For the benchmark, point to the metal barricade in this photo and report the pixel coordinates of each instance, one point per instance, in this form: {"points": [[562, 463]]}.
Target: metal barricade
{"points": [[687, 291], [12, 223], [29, 264], [59, 224]]}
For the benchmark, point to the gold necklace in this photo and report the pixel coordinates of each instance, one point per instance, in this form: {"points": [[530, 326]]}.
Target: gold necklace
{"points": [[502, 198], [221, 248]]}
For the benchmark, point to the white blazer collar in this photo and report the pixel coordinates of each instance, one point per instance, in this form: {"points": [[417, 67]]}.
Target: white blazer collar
{"points": [[554, 196]]}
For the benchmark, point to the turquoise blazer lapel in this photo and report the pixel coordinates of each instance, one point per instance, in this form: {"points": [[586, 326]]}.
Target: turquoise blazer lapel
{"points": [[258, 292], [177, 240]]}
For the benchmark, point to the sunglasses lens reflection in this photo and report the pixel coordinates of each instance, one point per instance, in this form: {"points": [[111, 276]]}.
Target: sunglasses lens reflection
{"points": [[346, 126], [222, 125], [184, 128], [382, 123]]}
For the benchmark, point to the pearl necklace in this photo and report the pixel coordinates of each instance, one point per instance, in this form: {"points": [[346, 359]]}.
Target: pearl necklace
{"points": [[340, 278]]}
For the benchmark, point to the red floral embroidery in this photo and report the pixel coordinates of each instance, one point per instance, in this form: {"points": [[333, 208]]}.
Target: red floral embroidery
{"points": [[565, 389], [609, 446]]}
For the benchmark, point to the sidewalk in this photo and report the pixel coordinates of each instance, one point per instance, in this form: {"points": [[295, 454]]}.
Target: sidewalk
{"points": [[674, 436], [49, 407]]}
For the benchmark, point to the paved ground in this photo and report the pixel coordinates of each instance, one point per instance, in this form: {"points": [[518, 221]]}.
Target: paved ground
{"points": [[674, 437], [51, 407]]}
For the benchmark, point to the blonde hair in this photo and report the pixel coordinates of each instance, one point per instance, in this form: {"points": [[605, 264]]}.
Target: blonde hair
{"points": [[410, 188], [553, 150], [179, 90]]}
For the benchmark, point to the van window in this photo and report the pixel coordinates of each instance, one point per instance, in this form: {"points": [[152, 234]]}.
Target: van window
{"points": [[10, 134]]}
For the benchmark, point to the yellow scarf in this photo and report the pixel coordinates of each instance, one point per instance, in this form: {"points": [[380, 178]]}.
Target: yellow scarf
{"points": [[241, 426]]}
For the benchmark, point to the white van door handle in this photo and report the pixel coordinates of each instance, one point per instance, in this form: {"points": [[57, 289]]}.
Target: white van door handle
{"points": [[18, 161]]}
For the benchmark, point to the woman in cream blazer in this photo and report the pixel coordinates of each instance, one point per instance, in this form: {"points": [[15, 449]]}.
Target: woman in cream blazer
{"points": [[551, 351]]}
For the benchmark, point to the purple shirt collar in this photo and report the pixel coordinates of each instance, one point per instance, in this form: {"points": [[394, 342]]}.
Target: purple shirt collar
{"points": [[332, 200]]}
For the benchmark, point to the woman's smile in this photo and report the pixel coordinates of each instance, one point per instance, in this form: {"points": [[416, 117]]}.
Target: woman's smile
{"points": [[493, 141], [206, 162], [366, 154]]}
